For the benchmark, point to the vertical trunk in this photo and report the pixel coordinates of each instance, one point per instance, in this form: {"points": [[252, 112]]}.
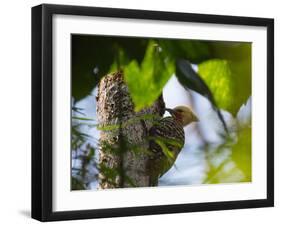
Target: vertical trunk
{"points": [[123, 139]]}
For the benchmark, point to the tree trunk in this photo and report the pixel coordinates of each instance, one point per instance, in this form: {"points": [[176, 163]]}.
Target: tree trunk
{"points": [[124, 147]]}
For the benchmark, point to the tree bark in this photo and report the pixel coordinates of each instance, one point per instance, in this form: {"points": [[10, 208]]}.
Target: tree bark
{"points": [[124, 147]]}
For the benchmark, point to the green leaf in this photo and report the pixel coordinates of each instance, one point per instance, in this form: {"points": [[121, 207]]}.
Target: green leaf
{"points": [[169, 154], [225, 81], [229, 87], [217, 74], [190, 79], [83, 119], [109, 173], [77, 184], [231, 161], [146, 81], [234, 76], [194, 50], [234, 51], [242, 154]]}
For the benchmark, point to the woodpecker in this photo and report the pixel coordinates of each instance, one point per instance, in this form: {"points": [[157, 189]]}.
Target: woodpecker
{"points": [[167, 139]]}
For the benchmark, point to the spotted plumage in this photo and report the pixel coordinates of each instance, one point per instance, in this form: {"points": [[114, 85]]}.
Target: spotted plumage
{"points": [[170, 133], [167, 140]]}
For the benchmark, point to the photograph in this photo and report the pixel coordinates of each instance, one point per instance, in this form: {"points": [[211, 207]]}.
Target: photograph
{"points": [[140, 112], [159, 112]]}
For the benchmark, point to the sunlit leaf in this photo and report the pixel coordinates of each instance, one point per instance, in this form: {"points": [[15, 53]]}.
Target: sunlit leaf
{"points": [[229, 74], [231, 161], [169, 154], [83, 119], [190, 79], [146, 81], [242, 154], [226, 86], [219, 77]]}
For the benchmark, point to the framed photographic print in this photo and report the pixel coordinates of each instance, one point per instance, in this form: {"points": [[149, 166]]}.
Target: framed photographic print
{"points": [[146, 112]]}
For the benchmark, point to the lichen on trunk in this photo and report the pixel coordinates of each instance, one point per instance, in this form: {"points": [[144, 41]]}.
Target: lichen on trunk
{"points": [[124, 154]]}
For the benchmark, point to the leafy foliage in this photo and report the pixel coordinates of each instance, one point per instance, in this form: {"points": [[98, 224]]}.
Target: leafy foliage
{"points": [[77, 184], [235, 159], [147, 80], [194, 50], [241, 153], [191, 80], [239, 63], [223, 77], [83, 153], [149, 63], [219, 77], [169, 154], [226, 86]]}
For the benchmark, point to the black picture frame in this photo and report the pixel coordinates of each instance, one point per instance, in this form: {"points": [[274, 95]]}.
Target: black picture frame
{"points": [[42, 111]]}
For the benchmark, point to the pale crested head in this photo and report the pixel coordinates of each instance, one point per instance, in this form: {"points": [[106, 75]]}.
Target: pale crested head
{"points": [[183, 114]]}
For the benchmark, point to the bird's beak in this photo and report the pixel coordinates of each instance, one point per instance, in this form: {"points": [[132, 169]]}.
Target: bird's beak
{"points": [[171, 111], [195, 118]]}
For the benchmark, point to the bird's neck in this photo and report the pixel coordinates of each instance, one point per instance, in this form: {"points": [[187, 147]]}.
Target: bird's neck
{"points": [[178, 118]]}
